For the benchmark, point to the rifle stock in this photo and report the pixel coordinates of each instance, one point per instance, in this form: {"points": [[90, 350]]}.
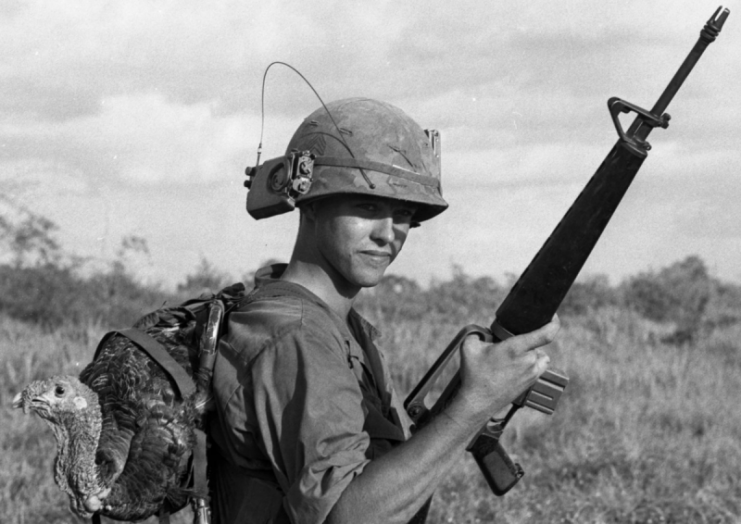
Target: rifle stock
{"points": [[536, 296]]}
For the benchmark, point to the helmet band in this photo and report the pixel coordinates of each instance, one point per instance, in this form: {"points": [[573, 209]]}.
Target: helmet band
{"points": [[392, 170]]}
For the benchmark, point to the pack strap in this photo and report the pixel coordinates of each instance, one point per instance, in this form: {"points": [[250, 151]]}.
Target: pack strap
{"points": [[200, 463], [185, 385], [164, 517], [201, 508]]}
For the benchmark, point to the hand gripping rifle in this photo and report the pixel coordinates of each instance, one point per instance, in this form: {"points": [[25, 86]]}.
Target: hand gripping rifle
{"points": [[535, 297]]}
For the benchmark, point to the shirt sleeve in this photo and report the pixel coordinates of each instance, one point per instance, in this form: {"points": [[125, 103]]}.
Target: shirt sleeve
{"points": [[309, 408]]}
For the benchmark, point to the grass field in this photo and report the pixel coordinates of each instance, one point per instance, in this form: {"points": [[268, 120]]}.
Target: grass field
{"points": [[645, 433]]}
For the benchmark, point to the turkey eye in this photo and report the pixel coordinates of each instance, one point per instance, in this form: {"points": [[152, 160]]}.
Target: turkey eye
{"points": [[59, 391]]}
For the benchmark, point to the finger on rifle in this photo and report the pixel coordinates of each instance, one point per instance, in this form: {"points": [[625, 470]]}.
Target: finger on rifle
{"points": [[473, 341], [541, 336], [542, 361]]}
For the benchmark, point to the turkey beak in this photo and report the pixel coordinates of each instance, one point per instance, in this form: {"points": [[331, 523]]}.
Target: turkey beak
{"points": [[18, 403], [30, 401]]}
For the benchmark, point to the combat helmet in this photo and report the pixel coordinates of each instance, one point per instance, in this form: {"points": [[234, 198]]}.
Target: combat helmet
{"points": [[357, 146]]}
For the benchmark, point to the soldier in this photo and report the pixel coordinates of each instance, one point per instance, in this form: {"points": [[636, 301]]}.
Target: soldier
{"points": [[309, 427]]}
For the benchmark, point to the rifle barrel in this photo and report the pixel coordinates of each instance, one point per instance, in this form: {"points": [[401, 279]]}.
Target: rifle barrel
{"points": [[541, 288]]}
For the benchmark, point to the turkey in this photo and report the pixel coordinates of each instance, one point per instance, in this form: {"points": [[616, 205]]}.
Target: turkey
{"points": [[124, 434]]}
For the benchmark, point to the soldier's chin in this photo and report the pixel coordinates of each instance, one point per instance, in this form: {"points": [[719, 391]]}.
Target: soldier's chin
{"points": [[371, 281]]}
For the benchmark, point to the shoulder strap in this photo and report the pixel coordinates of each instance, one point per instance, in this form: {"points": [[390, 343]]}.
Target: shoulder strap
{"points": [[159, 354]]}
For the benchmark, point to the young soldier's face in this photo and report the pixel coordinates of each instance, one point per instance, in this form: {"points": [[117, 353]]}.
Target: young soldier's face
{"points": [[358, 236]]}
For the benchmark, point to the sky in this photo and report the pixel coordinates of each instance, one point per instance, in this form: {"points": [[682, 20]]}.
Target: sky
{"points": [[139, 118]]}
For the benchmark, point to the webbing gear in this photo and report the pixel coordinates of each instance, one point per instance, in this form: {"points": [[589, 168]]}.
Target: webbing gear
{"points": [[185, 385], [214, 308]]}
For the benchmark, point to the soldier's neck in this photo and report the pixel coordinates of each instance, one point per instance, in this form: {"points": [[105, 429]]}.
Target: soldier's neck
{"points": [[332, 289]]}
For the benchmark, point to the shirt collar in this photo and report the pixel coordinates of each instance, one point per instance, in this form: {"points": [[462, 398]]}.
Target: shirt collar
{"points": [[267, 280], [269, 273]]}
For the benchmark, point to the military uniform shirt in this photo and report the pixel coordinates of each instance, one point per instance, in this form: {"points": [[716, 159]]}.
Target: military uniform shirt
{"points": [[304, 401]]}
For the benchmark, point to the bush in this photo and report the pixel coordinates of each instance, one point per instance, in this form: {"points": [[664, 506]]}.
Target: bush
{"points": [[53, 295], [42, 284], [205, 278], [678, 293], [589, 295], [43, 295]]}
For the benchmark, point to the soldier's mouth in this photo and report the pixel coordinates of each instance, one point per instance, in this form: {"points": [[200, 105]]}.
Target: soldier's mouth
{"points": [[378, 256]]}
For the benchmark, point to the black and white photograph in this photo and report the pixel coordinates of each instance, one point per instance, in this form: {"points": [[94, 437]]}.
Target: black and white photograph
{"points": [[370, 262]]}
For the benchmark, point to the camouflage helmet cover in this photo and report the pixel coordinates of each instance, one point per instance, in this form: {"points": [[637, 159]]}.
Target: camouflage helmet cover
{"points": [[381, 152]]}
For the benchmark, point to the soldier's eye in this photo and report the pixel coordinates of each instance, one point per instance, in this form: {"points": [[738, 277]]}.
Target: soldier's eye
{"points": [[59, 391]]}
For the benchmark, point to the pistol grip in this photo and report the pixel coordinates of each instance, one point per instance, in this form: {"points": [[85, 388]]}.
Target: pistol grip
{"points": [[500, 472]]}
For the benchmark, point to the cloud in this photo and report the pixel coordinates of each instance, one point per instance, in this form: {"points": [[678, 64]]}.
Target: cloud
{"points": [[21, 178], [143, 139], [187, 51], [130, 98]]}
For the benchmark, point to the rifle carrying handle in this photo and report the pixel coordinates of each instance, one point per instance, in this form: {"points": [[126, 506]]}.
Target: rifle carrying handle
{"points": [[499, 470]]}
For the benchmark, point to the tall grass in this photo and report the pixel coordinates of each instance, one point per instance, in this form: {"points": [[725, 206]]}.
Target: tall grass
{"points": [[646, 432]]}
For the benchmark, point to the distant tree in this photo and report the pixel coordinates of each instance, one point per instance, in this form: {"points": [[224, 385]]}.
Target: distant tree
{"points": [[43, 284], [34, 280], [465, 299], [206, 277], [678, 293], [27, 237], [395, 297], [724, 306], [588, 295], [133, 250], [45, 295]]}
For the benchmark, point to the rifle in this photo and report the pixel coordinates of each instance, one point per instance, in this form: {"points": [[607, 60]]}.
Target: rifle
{"points": [[536, 296]]}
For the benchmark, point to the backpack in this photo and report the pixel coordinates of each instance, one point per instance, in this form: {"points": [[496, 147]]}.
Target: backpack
{"points": [[209, 313]]}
